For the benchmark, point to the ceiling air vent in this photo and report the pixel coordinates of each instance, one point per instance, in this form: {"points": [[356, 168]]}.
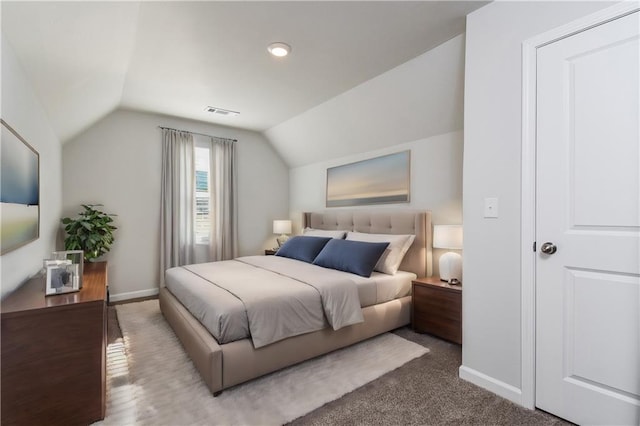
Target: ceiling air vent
{"points": [[220, 111]]}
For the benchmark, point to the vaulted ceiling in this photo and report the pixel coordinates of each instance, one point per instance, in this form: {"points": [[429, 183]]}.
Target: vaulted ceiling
{"points": [[85, 59]]}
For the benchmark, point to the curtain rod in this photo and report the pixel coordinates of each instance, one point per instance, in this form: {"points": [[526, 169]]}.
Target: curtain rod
{"points": [[195, 133]]}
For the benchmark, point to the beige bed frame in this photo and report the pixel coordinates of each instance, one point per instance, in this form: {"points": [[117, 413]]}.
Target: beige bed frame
{"points": [[223, 366]]}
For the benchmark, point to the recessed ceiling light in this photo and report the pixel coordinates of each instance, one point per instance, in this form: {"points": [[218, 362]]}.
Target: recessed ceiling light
{"points": [[279, 49]]}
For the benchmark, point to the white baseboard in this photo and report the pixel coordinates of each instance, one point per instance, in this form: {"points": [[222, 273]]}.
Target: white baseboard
{"points": [[502, 389], [133, 294]]}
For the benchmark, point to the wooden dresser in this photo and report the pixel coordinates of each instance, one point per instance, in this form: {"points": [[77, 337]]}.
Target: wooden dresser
{"points": [[436, 308], [54, 353]]}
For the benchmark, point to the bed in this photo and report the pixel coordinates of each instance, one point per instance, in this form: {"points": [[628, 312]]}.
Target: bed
{"points": [[235, 358]]}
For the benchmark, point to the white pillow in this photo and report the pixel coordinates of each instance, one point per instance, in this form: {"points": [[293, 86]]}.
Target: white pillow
{"points": [[310, 232], [390, 260]]}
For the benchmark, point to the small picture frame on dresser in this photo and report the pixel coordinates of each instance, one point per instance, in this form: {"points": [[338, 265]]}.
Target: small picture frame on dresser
{"points": [[76, 257], [62, 278]]}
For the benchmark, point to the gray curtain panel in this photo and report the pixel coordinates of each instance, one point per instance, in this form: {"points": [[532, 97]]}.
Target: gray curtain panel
{"points": [[223, 244], [177, 231], [177, 213]]}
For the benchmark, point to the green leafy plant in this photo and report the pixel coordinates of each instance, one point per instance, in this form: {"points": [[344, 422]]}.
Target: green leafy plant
{"points": [[91, 232]]}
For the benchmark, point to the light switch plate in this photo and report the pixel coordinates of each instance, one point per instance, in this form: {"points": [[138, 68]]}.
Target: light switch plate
{"points": [[490, 207]]}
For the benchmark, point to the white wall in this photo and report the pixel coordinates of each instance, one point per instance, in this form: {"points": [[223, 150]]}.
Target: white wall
{"points": [[416, 106], [117, 162], [492, 147], [418, 99], [24, 113], [436, 180]]}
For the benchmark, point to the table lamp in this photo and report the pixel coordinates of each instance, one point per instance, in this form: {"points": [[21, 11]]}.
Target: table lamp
{"points": [[282, 227], [449, 237]]}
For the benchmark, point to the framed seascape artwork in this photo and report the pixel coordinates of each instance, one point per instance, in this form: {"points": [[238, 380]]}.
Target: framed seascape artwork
{"points": [[19, 191], [379, 180]]}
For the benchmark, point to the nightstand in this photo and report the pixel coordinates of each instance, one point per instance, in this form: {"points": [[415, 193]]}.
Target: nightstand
{"points": [[436, 308], [269, 252]]}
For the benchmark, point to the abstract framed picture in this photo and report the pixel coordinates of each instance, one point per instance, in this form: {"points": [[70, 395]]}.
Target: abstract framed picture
{"points": [[379, 180], [62, 278], [19, 191], [76, 257]]}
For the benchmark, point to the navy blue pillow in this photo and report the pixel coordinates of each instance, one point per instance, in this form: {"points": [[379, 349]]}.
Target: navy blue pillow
{"points": [[357, 257], [302, 248]]}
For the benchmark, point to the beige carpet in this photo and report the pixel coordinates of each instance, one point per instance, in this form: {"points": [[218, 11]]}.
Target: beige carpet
{"points": [[152, 381]]}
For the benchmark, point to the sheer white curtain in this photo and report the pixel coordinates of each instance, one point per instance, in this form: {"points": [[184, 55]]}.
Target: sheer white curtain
{"points": [[223, 243], [177, 233]]}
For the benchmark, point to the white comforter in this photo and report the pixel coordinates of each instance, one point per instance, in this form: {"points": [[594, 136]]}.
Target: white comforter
{"points": [[281, 297]]}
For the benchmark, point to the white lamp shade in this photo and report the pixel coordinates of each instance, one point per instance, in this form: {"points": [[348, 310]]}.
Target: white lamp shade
{"points": [[281, 226], [447, 237]]}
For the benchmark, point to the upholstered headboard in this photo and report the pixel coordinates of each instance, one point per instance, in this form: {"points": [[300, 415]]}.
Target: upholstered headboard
{"points": [[419, 257]]}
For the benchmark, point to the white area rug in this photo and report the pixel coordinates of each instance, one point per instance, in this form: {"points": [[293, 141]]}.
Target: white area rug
{"points": [[152, 381]]}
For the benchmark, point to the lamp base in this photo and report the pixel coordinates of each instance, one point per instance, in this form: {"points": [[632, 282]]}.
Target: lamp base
{"points": [[450, 267], [282, 239]]}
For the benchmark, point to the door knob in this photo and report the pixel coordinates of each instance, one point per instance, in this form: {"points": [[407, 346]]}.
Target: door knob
{"points": [[548, 248]]}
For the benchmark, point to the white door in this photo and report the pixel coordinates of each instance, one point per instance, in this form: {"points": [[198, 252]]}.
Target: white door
{"points": [[587, 196]]}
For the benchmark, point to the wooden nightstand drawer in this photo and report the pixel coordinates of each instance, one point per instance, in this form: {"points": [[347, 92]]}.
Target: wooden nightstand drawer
{"points": [[437, 309], [446, 329], [437, 303]]}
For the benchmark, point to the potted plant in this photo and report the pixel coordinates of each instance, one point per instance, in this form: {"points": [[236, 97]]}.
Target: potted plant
{"points": [[91, 232]]}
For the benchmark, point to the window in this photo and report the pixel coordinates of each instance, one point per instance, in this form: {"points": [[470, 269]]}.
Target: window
{"points": [[203, 195]]}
